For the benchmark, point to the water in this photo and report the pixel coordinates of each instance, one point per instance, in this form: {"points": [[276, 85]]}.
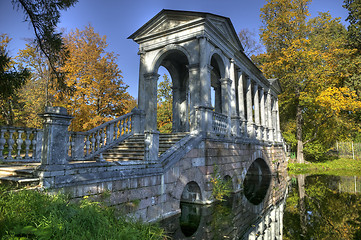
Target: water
{"points": [[282, 207]]}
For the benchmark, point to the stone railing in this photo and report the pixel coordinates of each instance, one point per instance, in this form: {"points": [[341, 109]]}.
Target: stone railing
{"points": [[20, 144], [220, 123], [87, 145]]}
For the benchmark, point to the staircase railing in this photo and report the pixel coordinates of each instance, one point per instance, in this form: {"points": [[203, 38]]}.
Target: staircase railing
{"points": [[18, 144], [87, 145]]}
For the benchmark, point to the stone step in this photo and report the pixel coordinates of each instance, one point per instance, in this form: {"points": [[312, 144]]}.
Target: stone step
{"points": [[20, 181]]}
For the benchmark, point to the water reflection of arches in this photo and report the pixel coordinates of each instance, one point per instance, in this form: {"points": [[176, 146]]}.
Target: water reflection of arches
{"points": [[175, 59], [257, 181]]}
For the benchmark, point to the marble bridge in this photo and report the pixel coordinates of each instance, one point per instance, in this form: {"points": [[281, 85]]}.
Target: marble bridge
{"points": [[225, 116]]}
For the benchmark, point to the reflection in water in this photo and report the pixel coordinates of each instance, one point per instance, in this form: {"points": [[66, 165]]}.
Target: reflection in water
{"points": [[323, 207], [255, 187], [190, 218], [236, 218]]}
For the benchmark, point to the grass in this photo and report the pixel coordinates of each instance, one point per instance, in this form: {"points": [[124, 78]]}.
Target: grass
{"points": [[340, 166], [29, 214]]}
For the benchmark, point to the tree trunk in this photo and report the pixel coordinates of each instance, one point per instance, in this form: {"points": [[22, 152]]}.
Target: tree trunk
{"points": [[302, 204], [299, 121]]}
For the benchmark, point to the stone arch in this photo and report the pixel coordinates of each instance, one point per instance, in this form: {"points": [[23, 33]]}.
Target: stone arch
{"points": [[191, 193], [162, 54], [217, 73], [176, 59], [190, 175]]}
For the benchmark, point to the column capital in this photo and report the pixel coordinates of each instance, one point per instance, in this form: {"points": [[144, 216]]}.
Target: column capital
{"points": [[192, 67], [226, 81], [151, 76]]}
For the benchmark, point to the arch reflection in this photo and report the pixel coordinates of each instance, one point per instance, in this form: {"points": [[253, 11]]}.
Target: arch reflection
{"points": [[257, 182]]}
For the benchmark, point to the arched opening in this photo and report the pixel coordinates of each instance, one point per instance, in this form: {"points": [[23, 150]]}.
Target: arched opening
{"points": [[217, 73], [257, 181], [191, 193], [174, 64]]}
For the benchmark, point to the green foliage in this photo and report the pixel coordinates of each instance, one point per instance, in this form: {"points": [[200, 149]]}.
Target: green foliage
{"points": [[29, 214], [221, 188], [339, 166], [165, 105], [11, 80], [354, 18]]}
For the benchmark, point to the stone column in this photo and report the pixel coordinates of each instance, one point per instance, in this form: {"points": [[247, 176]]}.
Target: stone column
{"points": [[226, 104], [269, 115], [256, 110], [277, 119], [205, 76], [232, 96], [263, 115], [176, 110], [55, 146], [141, 85], [250, 123], [194, 86], [151, 81], [241, 108]]}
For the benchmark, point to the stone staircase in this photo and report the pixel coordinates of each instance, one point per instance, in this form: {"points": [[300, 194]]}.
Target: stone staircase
{"points": [[132, 149], [19, 175]]}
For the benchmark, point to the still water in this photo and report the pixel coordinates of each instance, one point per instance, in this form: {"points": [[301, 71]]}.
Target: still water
{"points": [[282, 207]]}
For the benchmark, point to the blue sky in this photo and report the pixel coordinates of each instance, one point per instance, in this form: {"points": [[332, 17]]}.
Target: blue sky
{"points": [[119, 19]]}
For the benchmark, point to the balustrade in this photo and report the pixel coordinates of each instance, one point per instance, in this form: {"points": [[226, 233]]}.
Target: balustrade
{"points": [[220, 123], [86, 145], [20, 144]]}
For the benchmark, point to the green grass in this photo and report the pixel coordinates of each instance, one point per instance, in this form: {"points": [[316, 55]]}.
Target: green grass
{"points": [[29, 214], [341, 166]]}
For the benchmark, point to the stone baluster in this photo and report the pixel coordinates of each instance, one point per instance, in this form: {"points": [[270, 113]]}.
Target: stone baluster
{"points": [[37, 144], [103, 142], [2, 143], [19, 143], [116, 131], [129, 122], [93, 143], [11, 142], [87, 145], [27, 143], [98, 140]]}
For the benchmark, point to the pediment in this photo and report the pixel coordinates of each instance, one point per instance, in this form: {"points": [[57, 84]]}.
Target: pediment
{"points": [[225, 27], [164, 21], [168, 21]]}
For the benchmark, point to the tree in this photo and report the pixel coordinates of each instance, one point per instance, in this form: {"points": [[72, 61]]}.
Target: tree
{"points": [[43, 17], [354, 18], [164, 106], [32, 97], [249, 42], [305, 56], [98, 93], [11, 81]]}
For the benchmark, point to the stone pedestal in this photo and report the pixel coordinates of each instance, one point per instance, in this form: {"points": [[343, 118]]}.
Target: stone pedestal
{"points": [[151, 141], [55, 144]]}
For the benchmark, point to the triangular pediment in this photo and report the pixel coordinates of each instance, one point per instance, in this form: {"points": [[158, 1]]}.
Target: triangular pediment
{"points": [[167, 21], [225, 27]]}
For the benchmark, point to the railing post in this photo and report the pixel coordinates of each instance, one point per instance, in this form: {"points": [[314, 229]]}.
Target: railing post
{"points": [[55, 143], [151, 142], [138, 121], [77, 150]]}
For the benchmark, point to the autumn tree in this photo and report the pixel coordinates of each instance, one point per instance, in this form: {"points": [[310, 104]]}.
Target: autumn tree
{"points": [[11, 80], [98, 93], [164, 105], [305, 56]]}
